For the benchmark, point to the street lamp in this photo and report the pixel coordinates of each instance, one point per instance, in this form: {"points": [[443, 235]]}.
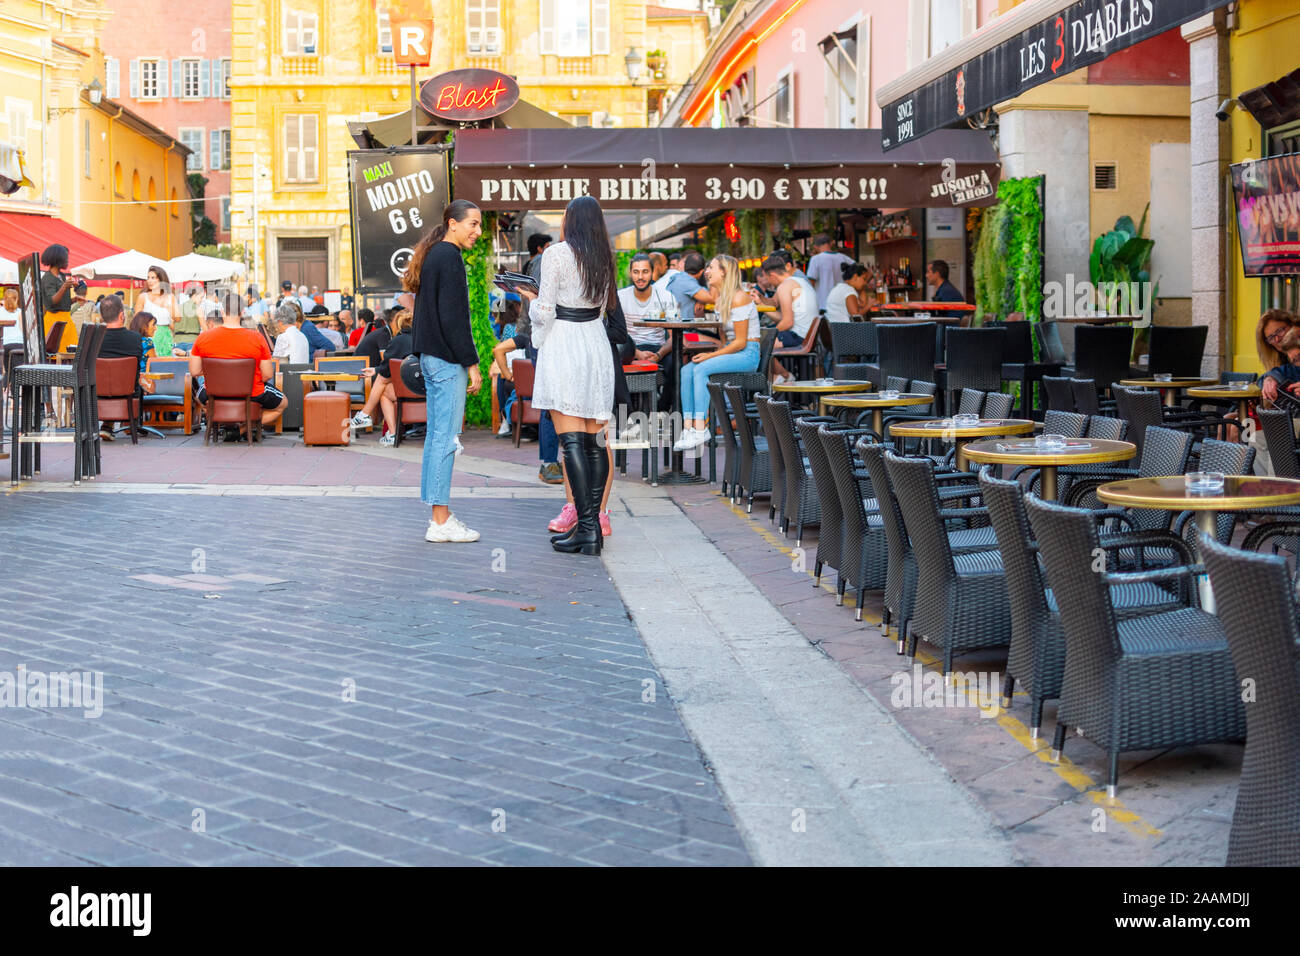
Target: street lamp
{"points": [[94, 91], [633, 61]]}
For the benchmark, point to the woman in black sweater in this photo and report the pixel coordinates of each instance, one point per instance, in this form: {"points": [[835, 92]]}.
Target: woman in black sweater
{"points": [[441, 336]]}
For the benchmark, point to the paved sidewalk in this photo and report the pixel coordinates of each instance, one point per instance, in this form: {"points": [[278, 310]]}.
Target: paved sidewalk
{"points": [[505, 709]]}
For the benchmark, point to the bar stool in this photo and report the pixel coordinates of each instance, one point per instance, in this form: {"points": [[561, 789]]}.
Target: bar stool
{"points": [[26, 385]]}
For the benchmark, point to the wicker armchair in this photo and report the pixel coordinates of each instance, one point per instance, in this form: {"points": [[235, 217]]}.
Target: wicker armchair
{"points": [[754, 474], [1164, 452], [830, 536], [1037, 655], [1279, 438], [776, 463], [1156, 681], [730, 444], [961, 601], [1231, 458], [1253, 592], [865, 556], [800, 505]]}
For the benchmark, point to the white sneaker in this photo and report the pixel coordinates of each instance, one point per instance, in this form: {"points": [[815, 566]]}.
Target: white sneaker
{"points": [[506, 427], [362, 420], [460, 448], [387, 441], [691, 438], [450, 531]]}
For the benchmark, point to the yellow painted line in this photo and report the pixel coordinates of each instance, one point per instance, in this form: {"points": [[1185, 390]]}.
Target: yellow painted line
{"points": [[1069, 772]]}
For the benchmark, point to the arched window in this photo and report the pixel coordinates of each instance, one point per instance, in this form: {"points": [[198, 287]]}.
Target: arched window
{"points": [[117, 178], [175, 206], [153, 194], [135, 185]]}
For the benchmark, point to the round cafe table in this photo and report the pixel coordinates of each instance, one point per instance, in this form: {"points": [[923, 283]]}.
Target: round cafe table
{"points": [[1077, 451], [679, 475], [1240, 493], [820, 387], [877, 403], [960, 435], [1168, 390], [1242, 392]]}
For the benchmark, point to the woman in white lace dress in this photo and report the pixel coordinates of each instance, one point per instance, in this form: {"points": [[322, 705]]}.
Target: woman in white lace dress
{"points": [[575, 367]]}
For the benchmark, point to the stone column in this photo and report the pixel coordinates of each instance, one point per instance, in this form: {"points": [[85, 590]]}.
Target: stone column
{"points": [[1209, 86]]}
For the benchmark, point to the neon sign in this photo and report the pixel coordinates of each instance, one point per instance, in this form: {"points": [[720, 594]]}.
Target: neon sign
{"points": [[465, 96]]}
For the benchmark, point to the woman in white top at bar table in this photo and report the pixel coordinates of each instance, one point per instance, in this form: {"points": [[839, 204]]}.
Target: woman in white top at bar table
{"points": [[849, 295], [158, 301], [739, 314]]}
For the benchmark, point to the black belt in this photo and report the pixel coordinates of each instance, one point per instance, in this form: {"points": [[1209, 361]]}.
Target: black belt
{"points": [[565, 313]]}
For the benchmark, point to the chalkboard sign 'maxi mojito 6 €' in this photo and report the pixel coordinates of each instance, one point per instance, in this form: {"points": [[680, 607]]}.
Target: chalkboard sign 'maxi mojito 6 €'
{"points": [[397, 195]]}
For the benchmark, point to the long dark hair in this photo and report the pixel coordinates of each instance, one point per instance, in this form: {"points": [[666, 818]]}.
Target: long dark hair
{"points": [[585, 232], [458, 210]]}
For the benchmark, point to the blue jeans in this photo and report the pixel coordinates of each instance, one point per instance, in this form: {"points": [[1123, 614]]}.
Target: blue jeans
{"points": [[548, 443], [444, 396], [695, 378]]}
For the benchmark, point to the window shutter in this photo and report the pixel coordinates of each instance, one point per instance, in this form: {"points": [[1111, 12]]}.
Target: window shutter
{"points": [[794, 99], [599, 27], [134, 70], [214, 153], [113, 77], [548, 26], [863, 93], [219, 72], [309, 152], [918, 32], [291, 148], [178, 75], [162, 80], [205, 78]]}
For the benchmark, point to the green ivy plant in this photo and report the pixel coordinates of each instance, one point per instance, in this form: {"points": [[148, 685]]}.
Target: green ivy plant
{"points": [[1009, 255], [478, 261], [751, 222]]}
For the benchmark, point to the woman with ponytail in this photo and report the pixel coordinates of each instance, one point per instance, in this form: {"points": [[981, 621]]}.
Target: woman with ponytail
{"points": [[442, 338], [739, 316], [575, 368]]}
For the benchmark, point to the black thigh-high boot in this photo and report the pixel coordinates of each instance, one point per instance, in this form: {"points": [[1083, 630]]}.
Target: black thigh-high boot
{"points": [[586, 534], [597, 472]]}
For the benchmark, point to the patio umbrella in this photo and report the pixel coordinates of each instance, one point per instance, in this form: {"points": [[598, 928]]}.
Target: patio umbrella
{"points": [[193, 267], [8, 271], [123, 265]]}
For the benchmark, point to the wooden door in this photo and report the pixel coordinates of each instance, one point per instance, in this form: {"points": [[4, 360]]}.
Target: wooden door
{"points": [[305, 261]]}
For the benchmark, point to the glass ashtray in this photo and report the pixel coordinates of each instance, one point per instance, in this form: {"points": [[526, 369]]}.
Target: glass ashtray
{"points": [[889, 394], [965, 420], [826, 381], [1204, 482], [1163, 377], [1050, 442]]}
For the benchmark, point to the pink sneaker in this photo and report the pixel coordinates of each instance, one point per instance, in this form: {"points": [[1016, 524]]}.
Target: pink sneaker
{"points": [[564, 522], [605, 529]]}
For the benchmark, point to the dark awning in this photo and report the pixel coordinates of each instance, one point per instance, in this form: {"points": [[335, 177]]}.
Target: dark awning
{"points": [[721, 168], [395, 130], [1274, 104], [1029, 45]]}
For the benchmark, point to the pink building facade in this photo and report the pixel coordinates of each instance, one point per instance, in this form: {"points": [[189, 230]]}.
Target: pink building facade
{"points": [[173, 69]]}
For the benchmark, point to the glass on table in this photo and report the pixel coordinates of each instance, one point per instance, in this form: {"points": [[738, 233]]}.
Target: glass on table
{"points": [[1203, 482], [1164, 377], [889, 394], [965, 420], [1050, 442]]}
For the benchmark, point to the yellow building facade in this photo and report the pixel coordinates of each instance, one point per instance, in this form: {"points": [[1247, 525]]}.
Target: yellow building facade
{"points": [[95, 165], [1263, 46], [302, 69]]}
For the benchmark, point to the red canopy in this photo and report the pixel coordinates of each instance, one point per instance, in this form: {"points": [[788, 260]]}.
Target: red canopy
{"points": [[24, 233]]}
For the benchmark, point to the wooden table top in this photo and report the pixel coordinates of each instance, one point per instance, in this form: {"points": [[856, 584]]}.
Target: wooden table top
{"points": [[5, 323], [817, 385], [927, 306], [330, 376], [1079, 451], [1098, 319], [1240, 493], [1172, 383], [876, 400], [1237, 390], [915, 319], [158, 376], [944, 429]]}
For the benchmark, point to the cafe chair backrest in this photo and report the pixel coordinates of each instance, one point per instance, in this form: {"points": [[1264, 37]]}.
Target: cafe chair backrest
{"points": [[53, 339], [174, 385], [228, 378], [116, 377]]}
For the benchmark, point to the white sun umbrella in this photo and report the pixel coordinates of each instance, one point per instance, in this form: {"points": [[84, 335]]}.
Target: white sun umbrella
{"points": [[193, 267], [122, 265], [8, 271]]}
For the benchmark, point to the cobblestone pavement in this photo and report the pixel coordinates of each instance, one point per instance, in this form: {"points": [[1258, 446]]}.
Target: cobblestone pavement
{"points": [[505, 709], [1174, 806]]}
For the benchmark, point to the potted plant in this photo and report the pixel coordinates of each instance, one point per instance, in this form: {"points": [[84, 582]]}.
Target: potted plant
{"points": [[655, 61], [1120, 257]]}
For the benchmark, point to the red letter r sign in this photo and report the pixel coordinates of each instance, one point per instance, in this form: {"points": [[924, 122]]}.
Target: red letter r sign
{"points": [[412, 42]]}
